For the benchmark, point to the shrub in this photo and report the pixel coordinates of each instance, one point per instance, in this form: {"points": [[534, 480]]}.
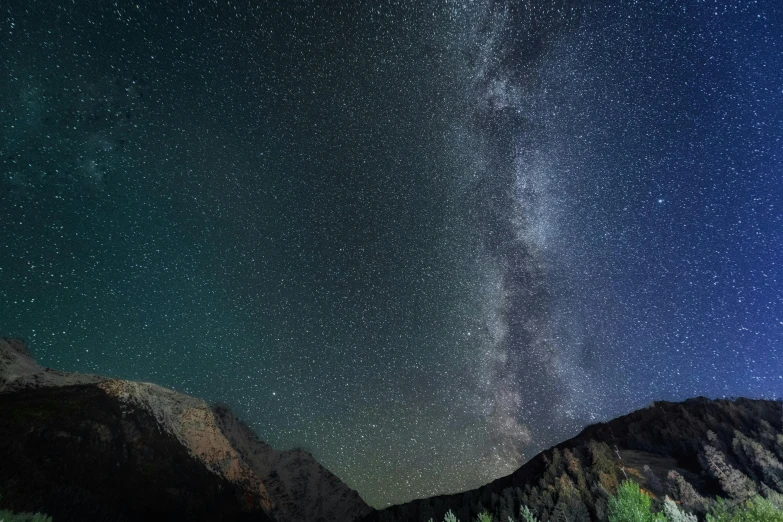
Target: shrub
{"points": [[675, 514], [757, 509], [632, 505], [484, 517]]}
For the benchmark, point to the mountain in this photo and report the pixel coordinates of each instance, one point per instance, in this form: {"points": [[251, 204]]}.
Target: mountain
{"points": [[85, 447], [693, 451], [303, 489]]}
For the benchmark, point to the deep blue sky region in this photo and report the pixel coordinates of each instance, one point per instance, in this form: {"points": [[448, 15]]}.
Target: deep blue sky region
{"points": [[422, 240]]}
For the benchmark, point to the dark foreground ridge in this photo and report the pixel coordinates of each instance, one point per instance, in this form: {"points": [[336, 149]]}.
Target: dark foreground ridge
{"points": [[84, 447], [692, 451], [76, 454]]}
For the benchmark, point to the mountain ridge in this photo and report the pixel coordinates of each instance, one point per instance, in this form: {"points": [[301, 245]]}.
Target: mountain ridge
{"points": [[203, 433], [661, 446], [63, 436]]}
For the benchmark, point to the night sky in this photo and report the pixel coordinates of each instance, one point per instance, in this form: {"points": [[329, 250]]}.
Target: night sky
{"points": [[423, 241]]}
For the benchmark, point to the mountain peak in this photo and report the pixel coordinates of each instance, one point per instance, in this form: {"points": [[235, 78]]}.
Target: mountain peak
{"points": [[680, 449]]}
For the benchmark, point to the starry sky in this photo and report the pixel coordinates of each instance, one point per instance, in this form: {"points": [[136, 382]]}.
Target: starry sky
{"points": [[422, 240]]}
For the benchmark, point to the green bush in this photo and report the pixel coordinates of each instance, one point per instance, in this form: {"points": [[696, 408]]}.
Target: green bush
{"points": [[673, 512], [757, 509], [632, 505], [484, 517]]}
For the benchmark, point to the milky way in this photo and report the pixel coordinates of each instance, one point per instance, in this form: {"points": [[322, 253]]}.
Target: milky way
{"points": [[421, 240]]}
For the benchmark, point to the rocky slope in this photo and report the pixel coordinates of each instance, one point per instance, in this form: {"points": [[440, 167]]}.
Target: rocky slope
{"points": [[77, 453], [692, 451], [121, 448], [304, 491]]}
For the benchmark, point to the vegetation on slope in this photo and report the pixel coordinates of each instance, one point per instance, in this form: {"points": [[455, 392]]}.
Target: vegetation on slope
{"points": [[632, 504], [693, 452]]}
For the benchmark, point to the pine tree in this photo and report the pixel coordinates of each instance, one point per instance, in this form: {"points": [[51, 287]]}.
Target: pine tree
{"points": [[755, 510], [601, 457], [674, 513], [735, 483], [484, 517], [570, 508], [755, 455], [506, 504], [772, 495], [779, 445], [683, 491], [527, 515]]}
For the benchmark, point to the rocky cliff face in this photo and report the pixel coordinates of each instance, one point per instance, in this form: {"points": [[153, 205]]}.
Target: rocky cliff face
{"points": [[692, 451], [191, 422], [303, 490], [86, 446]]}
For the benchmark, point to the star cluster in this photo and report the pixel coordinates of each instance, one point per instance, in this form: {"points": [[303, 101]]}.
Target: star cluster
{"points": [[421, 240]]}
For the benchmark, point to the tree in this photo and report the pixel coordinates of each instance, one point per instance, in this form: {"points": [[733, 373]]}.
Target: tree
{"points": [[631, 505], [484, 517], [601, 457], [683, 491], [755, 455], [734, 482], [779, 445], [506, 504], [757, 509], [674, 513], [527, 515]]}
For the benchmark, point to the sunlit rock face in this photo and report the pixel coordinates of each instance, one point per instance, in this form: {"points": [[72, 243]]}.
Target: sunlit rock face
{"points": [[300, 487]]}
